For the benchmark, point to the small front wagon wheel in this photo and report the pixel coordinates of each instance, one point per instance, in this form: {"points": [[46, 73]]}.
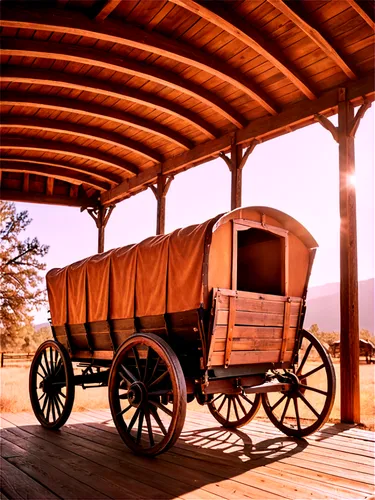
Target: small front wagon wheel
{"points": [[51, 385], [304, 408], [147, 394], [234, 410]]}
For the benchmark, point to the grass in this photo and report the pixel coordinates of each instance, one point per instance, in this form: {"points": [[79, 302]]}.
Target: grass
{"points": [[14, 394]]}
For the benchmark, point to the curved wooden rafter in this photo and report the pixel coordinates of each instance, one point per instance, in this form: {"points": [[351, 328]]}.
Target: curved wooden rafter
{"points": [[295, 14], [66, 148], [106, 9], [105, 60], [116, 90], [88, 109], [54, 172], [251, 37], [75, 129], [131, 36], [105, 177]]}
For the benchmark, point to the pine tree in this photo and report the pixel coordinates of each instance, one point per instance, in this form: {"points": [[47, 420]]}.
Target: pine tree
{"points": [[20, 280]]}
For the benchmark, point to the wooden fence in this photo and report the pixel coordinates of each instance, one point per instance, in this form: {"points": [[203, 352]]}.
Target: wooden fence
{"points": [[13, 357]]}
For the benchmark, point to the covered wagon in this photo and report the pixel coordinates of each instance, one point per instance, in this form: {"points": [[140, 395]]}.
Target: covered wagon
{"points": [[213, 312]]}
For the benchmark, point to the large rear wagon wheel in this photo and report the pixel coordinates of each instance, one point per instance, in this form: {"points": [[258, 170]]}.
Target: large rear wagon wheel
{"points": [[147, 394], [307, 405], [234, 410], [51, 385]]}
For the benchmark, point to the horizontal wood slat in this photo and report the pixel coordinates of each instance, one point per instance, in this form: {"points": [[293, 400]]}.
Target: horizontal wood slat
{"points": [[258, 305], [254, 332], [256, 319], [246, 344], [249, 357]]}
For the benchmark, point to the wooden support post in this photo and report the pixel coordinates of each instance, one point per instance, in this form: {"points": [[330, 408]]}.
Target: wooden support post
{"points": [[349, 318], [160, 191], [235, 163], [349, 328], [101, 216]]}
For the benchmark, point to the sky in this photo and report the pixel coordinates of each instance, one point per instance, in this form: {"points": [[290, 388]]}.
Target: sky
{"points": [[296, 173]]}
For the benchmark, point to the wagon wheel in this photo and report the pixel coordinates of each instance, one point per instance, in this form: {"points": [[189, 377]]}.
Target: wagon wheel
{"points": [[306, 406], [51, 384], [147, 394], [234, 410]]}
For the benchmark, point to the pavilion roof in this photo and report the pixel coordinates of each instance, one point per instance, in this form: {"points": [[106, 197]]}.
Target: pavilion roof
{"points": [[100, 97]]}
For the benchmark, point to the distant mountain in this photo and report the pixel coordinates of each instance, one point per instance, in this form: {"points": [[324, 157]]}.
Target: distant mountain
{"points": [[323, 306], [41, 325]]}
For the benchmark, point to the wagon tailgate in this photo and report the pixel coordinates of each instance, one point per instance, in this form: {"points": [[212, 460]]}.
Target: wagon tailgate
{"points": [[253, 328]]}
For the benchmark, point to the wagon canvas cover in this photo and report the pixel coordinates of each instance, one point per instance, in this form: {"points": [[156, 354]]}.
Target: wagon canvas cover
{"points": [[164, 274]]}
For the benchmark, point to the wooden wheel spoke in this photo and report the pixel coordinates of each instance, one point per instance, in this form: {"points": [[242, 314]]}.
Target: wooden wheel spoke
{"points": [[46, 362], [155, 368], [51, 361], [241, 405], [155, 414], [133, 420], [308, 404], [222, 404], [58, 367], [146, 364], [42, 367], [247, 399], [311, 372], [137, 362], [140, 425], [159, 379], [295, 401], [123, 396], [228, 410], [235, 407], [127, 376], [319, 391], [285, 410], [53, 408], [45, 402], [62, 394], [278, 402], [59, 403], [162, 407], [217, 397], [42, 396], [149, 428], [123, 411], [304, 359], [40, 375], [48, 408]]}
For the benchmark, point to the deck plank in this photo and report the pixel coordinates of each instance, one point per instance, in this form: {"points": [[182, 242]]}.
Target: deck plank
{"points": [[87, 459]]}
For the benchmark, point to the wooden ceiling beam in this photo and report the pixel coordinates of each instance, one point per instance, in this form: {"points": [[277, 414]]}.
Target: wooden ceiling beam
{"points": [[131, 36], [66, 148], [104, 60], [33, 197], [365, 10], [294, 12], [87, 109], [74, 129], [297, 116], [242, 30], [106, 9], [103, 178], [53, 173]]}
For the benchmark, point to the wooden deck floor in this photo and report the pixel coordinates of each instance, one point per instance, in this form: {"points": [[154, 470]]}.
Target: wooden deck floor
{"points": [[87, 460]]}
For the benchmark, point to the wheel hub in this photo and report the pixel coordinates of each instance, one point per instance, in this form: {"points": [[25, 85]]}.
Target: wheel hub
{"points": [[137, 394]]}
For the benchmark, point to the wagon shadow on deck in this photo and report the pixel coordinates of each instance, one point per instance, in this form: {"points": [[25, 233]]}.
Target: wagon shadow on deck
{"points": [[89, 460]]}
